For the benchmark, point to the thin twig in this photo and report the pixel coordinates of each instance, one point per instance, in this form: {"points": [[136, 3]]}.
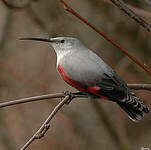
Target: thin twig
{"points": [[148, 2], [31, 99], [45, 126], [62, 95], [69, 9], [140, 86], [121, 5], [139, 11], [143, 13], [38, 98]]}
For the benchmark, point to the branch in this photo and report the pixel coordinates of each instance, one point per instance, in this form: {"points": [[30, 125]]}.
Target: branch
{"points": [[67, 98], [45, 126], [73, 12], [139, 11], [31, 99], [41, 97], [140, 86], [62, 95], [121, 5], [148, 2]]}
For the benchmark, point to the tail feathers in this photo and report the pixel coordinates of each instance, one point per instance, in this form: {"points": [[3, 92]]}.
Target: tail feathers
{"points": [[134, 107]]}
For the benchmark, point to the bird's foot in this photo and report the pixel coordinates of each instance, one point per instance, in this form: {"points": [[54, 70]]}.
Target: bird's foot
{"points": [[70, 94], [79, 93]]}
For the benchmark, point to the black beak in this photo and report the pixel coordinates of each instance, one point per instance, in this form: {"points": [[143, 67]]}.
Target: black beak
{"points": [[37, 39]]}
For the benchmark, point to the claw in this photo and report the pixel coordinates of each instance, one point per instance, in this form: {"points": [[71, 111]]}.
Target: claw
{"points": [[70, 94]]}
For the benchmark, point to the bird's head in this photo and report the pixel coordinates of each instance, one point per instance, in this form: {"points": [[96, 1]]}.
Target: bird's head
{"points": [[59, 43]]}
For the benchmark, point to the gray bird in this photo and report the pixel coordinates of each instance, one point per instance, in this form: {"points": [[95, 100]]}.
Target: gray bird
{"points": [[87, 72]]}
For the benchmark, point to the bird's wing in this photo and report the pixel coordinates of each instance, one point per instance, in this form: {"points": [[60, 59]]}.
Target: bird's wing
{"points": [[111, 87], [90, 72]]}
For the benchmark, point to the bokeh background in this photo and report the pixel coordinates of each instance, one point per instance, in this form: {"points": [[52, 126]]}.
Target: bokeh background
{"points": [[27, 68]]}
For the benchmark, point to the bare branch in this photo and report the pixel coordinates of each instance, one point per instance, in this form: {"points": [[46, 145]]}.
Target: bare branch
{"points": [[148, 2], [143, 13], [139, 11], [45, 126], [73, 12], [121, 5], [67, 97], [38, 98], [62, 95], [31, 99], [140, 86]]}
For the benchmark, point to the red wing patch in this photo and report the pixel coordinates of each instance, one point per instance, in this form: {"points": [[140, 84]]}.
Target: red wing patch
{"points": [[94, 90], [68, 80]]}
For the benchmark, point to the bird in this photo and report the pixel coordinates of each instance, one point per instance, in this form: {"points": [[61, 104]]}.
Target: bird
{"points": [[82, 69]]}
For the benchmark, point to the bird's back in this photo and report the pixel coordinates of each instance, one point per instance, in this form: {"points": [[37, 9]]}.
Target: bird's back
{"points": [[86, 66]]}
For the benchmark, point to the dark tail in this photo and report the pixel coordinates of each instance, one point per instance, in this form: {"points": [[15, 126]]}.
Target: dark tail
{"points": [[134, 107]]}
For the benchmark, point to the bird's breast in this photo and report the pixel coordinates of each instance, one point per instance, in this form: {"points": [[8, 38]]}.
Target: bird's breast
{"points": [[62, 55], [68, 79], [79, 68]]}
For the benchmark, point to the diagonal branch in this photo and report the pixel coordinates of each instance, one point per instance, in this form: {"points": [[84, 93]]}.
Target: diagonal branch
{"points": [[45, 126], [147, 2], [73, 12], [67, 97], [121, 5]]}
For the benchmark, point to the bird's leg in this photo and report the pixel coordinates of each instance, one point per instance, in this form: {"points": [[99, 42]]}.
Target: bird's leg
{"points": [[73, 95], [79, 93], [88, 95]]}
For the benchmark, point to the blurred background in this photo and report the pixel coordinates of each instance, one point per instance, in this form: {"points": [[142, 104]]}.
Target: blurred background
{"points": [[27, 68]]}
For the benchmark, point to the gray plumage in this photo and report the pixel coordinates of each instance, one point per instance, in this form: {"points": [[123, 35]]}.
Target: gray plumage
{"points": [[85, 67], [87, 70]]}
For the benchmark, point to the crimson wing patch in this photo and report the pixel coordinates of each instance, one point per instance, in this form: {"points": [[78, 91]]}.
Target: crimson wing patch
{"points": [[106, 89]]}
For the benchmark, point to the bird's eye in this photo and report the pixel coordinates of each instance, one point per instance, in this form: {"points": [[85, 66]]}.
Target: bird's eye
{"points": [[62, 41]]}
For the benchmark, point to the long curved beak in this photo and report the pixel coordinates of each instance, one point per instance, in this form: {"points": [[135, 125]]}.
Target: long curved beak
{"points": [[37, 39]]}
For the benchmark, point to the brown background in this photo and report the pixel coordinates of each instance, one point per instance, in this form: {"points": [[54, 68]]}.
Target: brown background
{"points": [[28, 69]]}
